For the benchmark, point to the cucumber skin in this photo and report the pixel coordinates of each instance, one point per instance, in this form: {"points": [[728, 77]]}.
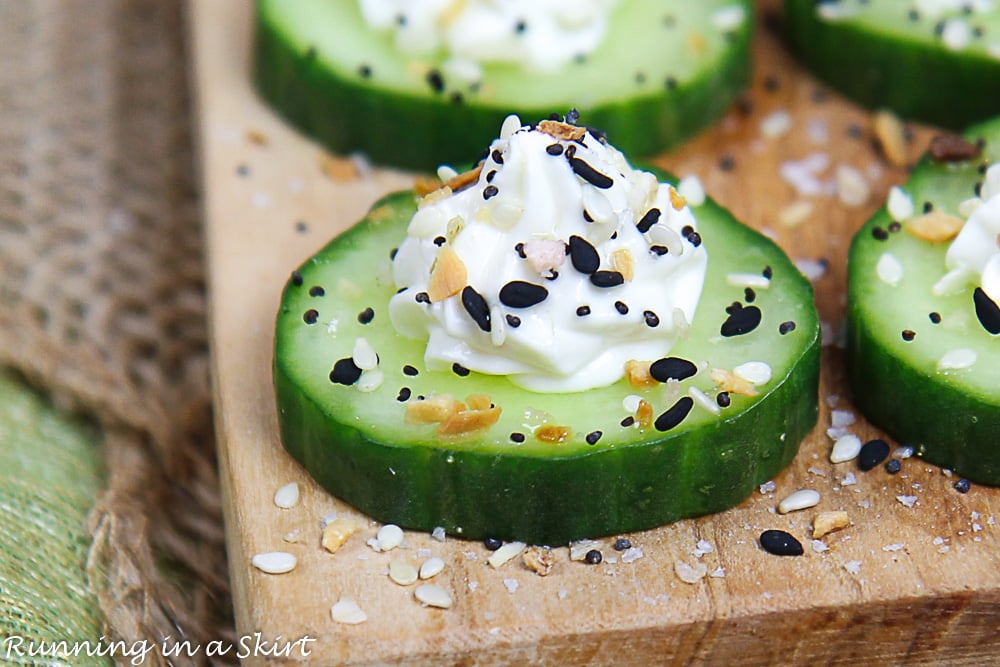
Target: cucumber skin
{"points": [[557, 499], [423, 132], [945, 427], [924, 82]]}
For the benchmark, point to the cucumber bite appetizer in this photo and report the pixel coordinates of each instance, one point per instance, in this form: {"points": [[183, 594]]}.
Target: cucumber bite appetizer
{"points": [[418, 83], [923, 354], [551, 346], [936, 61]]}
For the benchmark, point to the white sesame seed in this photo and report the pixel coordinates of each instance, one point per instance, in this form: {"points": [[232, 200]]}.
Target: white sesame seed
{"points": [[959, 359], [511, 124], [506, 553], [403, 572], [754, 372], [755, 280], [852, 187], [631, 403], [846, 448], [274, 562], [388, 537], [498, 326], [433, 595], [691, 188], [799, 500], [287, 496], [370, 380], [899, 204], [811, 268], [956, 34], [968, 206], [889, 269], [796, 213], [663, 235], [596, 204], [445, 173], [364, 355], [703, 400], [431, 567], [348, 612], [776, 124]]}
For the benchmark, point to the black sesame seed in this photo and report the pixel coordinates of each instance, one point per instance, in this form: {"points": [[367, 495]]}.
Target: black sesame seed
{"points": [[894, 227], [928, 206], [962, 486], [593, 437], [913, 15], [583, 255], [686, 231], [727, 163], [310, 316], [366, 315], [404, 395], [459, 370], [908, 335], [892, 466], [722, 398], [672, 368], [694, 238], [243, 170], [749, 295], [554, 149], [422, 297], [593, 557], [301, 226], [987, 311], [607, 278], [553, 274], [659, 250], [622, 543], [490, 191], [648, 220], [652, 319], [671, 83], [393, 253], [786, 327], [570, 151], [316, 290], [517, 437], [476, 307], [519, 249], [435, 80], [497, 156], [490, 175], [741, 320], [978, 189], [854, 131], [587, 216], [872, 453], [410, 370], [492, 543], [819, 96], [585, 171], [771, 83], [628, 421], [621, 307], [935, 317], [583, 311], [296, 278], [780, 543], [675, 414], [513, 321], [345, 371], [440, 241], [767, 272], [880, 234], [365, 71], [521, 294]]}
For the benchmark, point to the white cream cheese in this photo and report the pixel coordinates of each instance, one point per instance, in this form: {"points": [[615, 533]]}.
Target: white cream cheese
{"points": [[514, 224], [541, 35], [974, 255]]}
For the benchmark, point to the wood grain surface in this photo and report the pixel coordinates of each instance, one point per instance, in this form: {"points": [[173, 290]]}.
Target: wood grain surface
{"points": [[903, 584]]}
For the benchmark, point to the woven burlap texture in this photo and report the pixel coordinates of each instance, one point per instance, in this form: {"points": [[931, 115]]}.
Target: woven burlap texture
{"points": [[102, 293]]}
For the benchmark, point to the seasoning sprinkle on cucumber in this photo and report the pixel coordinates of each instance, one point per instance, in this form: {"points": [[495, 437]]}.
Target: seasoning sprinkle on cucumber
{"points": [[937, 62], [550, 363], [415, 83], [923, 354]]}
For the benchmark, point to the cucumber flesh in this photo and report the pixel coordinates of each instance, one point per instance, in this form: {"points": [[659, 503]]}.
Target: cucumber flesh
{"points": [[660, 75], [604, 476], [898, 334], [941, 67]]}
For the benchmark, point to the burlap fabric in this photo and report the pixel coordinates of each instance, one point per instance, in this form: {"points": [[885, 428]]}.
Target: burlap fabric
{"points": [[102, 296]]}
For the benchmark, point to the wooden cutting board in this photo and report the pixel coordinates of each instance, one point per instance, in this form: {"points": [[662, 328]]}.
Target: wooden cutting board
{"points": [[913, 584]]}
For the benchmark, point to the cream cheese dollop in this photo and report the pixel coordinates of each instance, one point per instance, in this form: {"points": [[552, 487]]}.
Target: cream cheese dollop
{"points": [[974, 255], [541, 35], [554, 264]]}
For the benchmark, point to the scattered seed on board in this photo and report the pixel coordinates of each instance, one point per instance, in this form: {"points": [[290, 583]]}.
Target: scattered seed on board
{"points": [[846, 448], [798, 500], [389, 537], [274, 562], [348, 612], [287, 496], [403, 572], [780, 543], [872, 453], [431, 567], [506, 553], [433, 595]]}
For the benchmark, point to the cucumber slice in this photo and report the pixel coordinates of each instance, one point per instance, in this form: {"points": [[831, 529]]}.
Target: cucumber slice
{"points": [[935, 64], [898, 334], [591, 475], [659, 76]]}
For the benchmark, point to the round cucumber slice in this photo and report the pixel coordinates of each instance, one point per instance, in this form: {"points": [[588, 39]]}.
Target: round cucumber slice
{"points": [[554, 467], [660, 75], [923, 367], [939, 64]]}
